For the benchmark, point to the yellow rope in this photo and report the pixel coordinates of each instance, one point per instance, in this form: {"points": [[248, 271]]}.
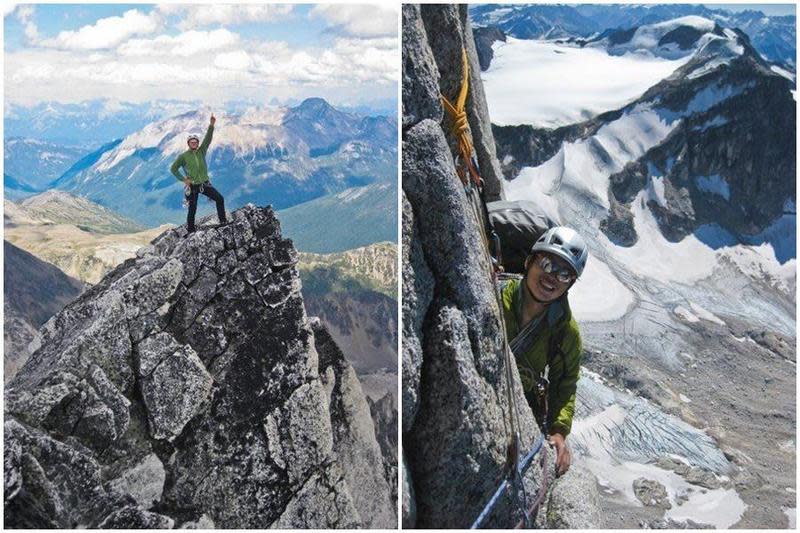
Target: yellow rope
{"points": [[458, 114]]}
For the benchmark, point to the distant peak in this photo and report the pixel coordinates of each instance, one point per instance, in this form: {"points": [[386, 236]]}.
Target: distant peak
{"points": [[314, 103]]}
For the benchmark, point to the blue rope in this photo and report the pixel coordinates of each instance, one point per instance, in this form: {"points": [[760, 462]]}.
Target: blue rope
{"points": [[523, 466]]}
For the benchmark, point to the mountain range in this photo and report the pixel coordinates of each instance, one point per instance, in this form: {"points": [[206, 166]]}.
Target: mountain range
{"points": [[95, 122], [30, 165], [686, 143], [83, 239], [277, 156], [773, 36]]}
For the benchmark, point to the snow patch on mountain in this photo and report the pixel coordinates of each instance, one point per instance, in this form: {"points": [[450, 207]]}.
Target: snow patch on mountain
{"points": [[783, 72], [576, 88], [244, 135], [654, 256], [586, 164], [715, 122], [600, 296], [647, 39]]}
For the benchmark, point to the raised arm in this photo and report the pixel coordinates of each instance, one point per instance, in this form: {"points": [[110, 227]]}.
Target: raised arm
{"points": [[209, 135]]}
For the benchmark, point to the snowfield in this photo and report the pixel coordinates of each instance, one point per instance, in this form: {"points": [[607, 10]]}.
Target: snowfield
{"points": [[547, 85], [591, 305], [585, 165]]}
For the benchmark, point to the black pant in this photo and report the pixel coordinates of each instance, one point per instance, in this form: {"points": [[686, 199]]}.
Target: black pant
{"points": [[211, 192]]}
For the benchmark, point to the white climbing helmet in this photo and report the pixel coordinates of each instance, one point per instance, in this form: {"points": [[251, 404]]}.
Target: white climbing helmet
{"points": [[565, 243], [193, 136]]}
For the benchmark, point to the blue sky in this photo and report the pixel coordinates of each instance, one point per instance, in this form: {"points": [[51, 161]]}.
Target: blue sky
{"points": [[139, 52], [767, 9], [54, 18]]}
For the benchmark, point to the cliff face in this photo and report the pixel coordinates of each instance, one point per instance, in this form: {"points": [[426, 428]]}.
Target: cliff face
{"points": [[454, 399], [188, 387]]}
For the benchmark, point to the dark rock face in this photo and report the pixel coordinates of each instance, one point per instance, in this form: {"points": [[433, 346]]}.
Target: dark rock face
{"points": [[484, 39], [34, 291], [454, 393], [186, 387], [753, 167], [526, 146], [384, 417]]}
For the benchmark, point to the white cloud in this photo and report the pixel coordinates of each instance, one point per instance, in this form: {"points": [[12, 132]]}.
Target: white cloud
{"points": [[198, 16], [360, 20], [185, 44], [25, 16], [106, 32], [222, 66], [238, 60]]}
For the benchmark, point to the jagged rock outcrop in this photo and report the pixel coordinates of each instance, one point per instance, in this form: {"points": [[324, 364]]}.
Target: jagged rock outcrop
{"points": [[435, 40], [484, 39], [455, 407], [384, 416], [354, 437], [189, 389]]}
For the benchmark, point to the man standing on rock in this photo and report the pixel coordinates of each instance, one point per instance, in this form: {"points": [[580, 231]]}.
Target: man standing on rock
{"points": [[193, 162], [543, 334]]}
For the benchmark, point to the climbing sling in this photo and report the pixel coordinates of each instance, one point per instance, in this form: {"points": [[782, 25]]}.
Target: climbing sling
{"points": [[469, 173]]}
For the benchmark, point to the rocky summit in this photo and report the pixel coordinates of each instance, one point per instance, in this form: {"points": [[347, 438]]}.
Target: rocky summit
{"points": [[188, 388]]}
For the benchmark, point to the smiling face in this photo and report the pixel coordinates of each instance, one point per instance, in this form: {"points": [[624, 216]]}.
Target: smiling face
{"points": [[193, 144], [546, 287]]}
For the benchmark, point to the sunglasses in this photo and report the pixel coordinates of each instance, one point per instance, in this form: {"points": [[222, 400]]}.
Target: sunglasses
{"points": [[563, 274]]}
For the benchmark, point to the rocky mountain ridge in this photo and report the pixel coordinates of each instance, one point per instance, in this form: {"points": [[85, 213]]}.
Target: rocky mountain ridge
{"points": [[188, 388], [375, 265], [59, 207], [267, 155], [699, 164]]}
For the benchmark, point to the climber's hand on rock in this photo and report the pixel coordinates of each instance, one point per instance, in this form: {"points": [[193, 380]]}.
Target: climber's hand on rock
{"points": [[563, 457]]}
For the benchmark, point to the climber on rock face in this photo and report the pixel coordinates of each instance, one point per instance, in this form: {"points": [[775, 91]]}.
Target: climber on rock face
{"points": [[543, 334], [196, 180]]}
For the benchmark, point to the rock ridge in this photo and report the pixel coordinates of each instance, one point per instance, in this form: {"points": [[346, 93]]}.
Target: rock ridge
{"points": [[186, 388]]}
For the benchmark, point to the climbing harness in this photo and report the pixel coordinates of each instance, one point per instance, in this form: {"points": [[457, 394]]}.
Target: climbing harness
{"points": [[468, 172]]}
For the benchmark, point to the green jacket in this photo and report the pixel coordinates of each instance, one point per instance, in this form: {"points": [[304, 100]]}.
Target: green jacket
{"points": [[563, 374], [194, 162]]}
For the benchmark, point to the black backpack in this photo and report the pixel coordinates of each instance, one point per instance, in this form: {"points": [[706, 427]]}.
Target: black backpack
{"points": [[518, 225]]}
